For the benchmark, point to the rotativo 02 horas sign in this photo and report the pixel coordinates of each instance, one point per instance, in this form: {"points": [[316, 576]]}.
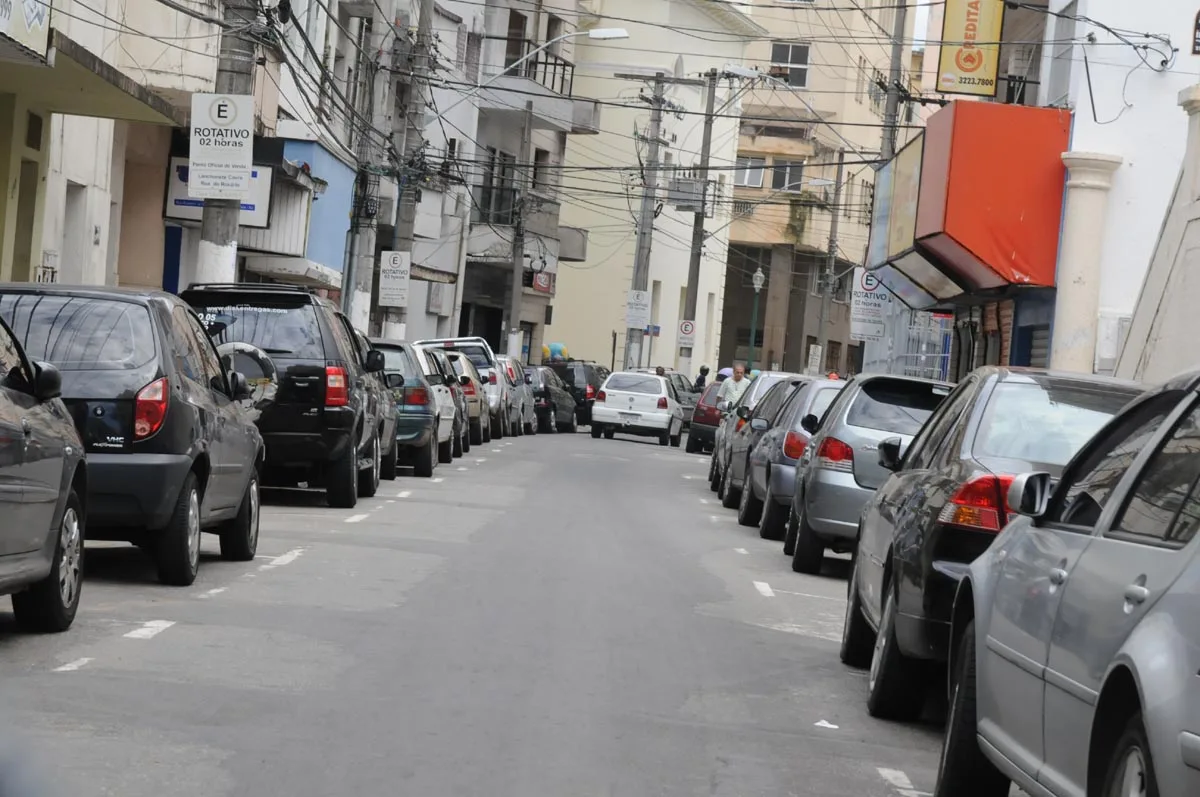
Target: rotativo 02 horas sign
{"points": [[969, 59], [221, 146]]}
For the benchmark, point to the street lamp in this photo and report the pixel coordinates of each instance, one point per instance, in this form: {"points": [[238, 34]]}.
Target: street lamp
{"points": [[759, 279]]}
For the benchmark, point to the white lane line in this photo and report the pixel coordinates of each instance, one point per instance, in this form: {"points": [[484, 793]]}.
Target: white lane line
{"points": [[691, 476], [284, 559], [705, 501], [462, 469], [825, 724], [495, 450], [438, 480], [900, 782], [718, 518], [407, 493], [356, 518], [764, 588], [73, 666], [811, 595], [150, 629], [390, 501], [481, 459], [742, 551], [211, 592]]}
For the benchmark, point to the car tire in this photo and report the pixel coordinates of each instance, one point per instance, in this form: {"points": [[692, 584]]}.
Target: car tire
{"points": [[1132, 750], [485, 430], [750, 506], [609, 434], [574, 425], [963, 768], [341, 487], [772, 523], [808, 551], [714, 474], [368, 479], [425, 459], [664, 439], [177, 548], [676, 439], [729, 495], [693, 445], [239, 537], [531, 426], [49, 606], [857, 638], [596, 431], [445, 451], [475, 430], [387, 468], [466, 438], [895, 683], [456, 444]]}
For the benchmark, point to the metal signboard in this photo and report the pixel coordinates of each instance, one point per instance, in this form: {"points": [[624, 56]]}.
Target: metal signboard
{"points": [[221, 146], [637, 310], [687, 333], [869, 300], [395, 272]]}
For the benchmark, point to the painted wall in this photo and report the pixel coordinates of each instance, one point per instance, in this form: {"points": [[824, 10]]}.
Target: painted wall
{"points": [[329, 221]]}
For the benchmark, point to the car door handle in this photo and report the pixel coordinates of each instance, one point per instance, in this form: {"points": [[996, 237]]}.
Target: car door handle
{"points": [[1058, 576], [1136, 594]]}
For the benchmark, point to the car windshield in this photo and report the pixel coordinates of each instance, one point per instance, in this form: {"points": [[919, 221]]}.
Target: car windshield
{"points": [[895, 405], [473, 351], [286, 329], [398, 361], [635, 383], [78, 333], [1046, 422]]}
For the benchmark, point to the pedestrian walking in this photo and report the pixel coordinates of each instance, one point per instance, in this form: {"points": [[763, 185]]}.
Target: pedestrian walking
{"points": [[733, 388]]}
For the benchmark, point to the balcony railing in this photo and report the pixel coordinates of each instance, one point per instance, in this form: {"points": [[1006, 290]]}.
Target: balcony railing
{"points": [[552, 71]]}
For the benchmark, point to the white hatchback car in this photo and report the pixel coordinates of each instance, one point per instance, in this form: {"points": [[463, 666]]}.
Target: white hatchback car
{"points": [[639, 404]]}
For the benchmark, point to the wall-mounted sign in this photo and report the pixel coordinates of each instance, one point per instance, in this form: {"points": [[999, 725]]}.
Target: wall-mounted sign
{"points": [[687, 334], [395, 271], [637, 309], [969, 59], [868, 304], [256, 206], [221, 146]]}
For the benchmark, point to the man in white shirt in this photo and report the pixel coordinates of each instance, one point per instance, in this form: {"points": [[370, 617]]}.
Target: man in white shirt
{"points": [[732, 389]]}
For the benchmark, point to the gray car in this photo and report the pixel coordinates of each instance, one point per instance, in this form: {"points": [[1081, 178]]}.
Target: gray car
{"points": [[731, 422], [1076, 635], [522, 414], [840, 468]]}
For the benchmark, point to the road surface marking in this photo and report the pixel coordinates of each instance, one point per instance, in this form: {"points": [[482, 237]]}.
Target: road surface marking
{"points": [[718, 518], [72, 666], [495, 450], [705, 501], [462, 469], [404, 494], [900, 782], [356, 518], [390, 501], [211, 592], [690, 476], [764, 588], [742, 551], [825, 724], [438, 480], [481, 459], [150, 629], [811, 595], [285, 559]]}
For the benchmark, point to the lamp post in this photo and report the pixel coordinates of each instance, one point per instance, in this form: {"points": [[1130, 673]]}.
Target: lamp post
{"points": [[759, 279]]}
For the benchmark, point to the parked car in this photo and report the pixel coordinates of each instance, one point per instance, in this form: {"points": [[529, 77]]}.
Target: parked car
{"points": [[767, 493], [484, 359], [320, 427], [943, 505], [381, 404], [839, 470], [638, 404], [1074, 636], [684, 388], [731, 422], [171, 452], [446, 414], [478, 431], [418, 423], [584, 379], [462, 412], [523, 417], [43, 486], [741, 441], [553, 401], [705, 420]]}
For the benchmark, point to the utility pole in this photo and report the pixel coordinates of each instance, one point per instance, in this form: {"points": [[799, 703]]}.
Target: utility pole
{"points": [[829, 278], [521, 203], [891, 112], [693, 282], [217, 260]]}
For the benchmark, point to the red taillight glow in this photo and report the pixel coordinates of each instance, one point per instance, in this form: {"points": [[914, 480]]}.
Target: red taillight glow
{"points": [[600, 396], [416, 396], [662, 403], [979, 504], [337, 392], [738, 426], [492, 378], [591, 393], [794, 444], [469, 388], [512, 374], [150, 408], [833, 454]]}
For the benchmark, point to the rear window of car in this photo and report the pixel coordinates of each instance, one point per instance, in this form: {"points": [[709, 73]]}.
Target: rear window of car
{"points": [[635, 383], [820, 403], [709, 397], [895, 405], [572, 374], [78, 333], [762, 383], [1046, 423], [280, 328], [398, 361], [474, 352]]}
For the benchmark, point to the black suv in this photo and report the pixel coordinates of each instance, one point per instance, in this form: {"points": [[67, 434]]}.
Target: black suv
{"points": [[322, 425], [583, 378]]}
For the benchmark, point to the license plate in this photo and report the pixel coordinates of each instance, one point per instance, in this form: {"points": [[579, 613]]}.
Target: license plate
{"points": [[629, 416]]}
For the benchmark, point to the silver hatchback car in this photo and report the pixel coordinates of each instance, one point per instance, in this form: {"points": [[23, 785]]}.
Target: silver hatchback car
{"points": [[840, 467]]}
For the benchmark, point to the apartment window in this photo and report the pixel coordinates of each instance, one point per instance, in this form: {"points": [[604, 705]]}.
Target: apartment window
{"points": [[789, 62], [541, 169], [787, 175], [848, 199], [514, 48], [860, 85], [876, 92], [749, 172], [1059, 88], [833, 355], [460, 51], [449, 163], [867, 196], [555, 28], [474, 46]]}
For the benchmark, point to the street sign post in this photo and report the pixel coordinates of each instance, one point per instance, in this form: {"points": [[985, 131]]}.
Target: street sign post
{"points": [[869, 301], [395, 271], [637, 310], [221, 147], [687, 334]]}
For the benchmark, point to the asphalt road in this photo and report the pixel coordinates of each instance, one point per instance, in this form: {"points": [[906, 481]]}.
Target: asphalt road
{"points": [[548, 617]]}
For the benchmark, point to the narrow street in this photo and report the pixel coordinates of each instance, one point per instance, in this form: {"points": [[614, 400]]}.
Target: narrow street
{"points": [[547, 616]]}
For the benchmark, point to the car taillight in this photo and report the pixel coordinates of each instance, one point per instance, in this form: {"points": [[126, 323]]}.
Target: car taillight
{"points": [[492, 378], [978, 504], [416, 396], [833, 454], [591, 393], [662, 403], [469, 388], [512, 374], [600, 396], [150, 408], [794, 444], [337, 392]]}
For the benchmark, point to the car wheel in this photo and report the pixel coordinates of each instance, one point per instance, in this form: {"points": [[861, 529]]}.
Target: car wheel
{"points": [[445, 451], [497, 428], [676, 439], [485, 430], [368, 478], [856, 634], [178, 545], [49, 606], [809, 553], [693, 445], [609, 434], [749, 505], [239, 537], [531, 426], [730, 496], [773, 521], [714, 474], [664, 439], [789, 536], [475, 429], [596, 431], [456, 443], [341, 489], [895, 684], [466, 437], [426, 458], [963, 768], [387, 468], [1131, 767], [574, 425]]}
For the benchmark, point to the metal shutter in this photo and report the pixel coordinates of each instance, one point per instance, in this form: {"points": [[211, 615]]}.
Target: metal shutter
{"points": [[1039, 356]]}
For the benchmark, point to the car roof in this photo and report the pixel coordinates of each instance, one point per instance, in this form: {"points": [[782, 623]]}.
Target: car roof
{"points": [[135, 295], [1008, 373], [860, 378]]}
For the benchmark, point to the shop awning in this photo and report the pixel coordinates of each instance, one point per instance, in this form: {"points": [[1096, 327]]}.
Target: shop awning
{"points": [[296, 270], [76, 81]]}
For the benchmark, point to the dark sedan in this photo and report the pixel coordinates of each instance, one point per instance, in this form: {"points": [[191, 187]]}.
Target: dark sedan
{"points": [[943, 505], [552, 401]]}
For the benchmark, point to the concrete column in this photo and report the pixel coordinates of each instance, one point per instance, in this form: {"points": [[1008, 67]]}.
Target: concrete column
{"points": [[1077, 306], [778, 302]]}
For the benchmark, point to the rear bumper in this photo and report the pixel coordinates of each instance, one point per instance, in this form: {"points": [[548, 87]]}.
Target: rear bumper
{"points": [[134, 491], [783, 482], [706, 435], [414, 430], [646, 423], [833, 503]]}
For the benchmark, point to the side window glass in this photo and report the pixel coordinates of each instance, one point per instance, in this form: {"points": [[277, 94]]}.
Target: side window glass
{"points": [[925, 447], [184, 348], [1168, 482], [345, 340], [204, 348], [16, 374]]}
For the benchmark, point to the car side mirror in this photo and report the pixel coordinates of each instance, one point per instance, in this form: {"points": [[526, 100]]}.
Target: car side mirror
{"points": [[47, 382], [464, 380], [723, 405], [1029, 494], [529, 379], [891, 453], [809, 423], [239, 388], [743, 412], [374, 362], [760, 425], [394, 381]]}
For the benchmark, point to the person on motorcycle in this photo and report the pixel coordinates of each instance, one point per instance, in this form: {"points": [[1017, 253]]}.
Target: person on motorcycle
{"points": [[702, 379]]}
